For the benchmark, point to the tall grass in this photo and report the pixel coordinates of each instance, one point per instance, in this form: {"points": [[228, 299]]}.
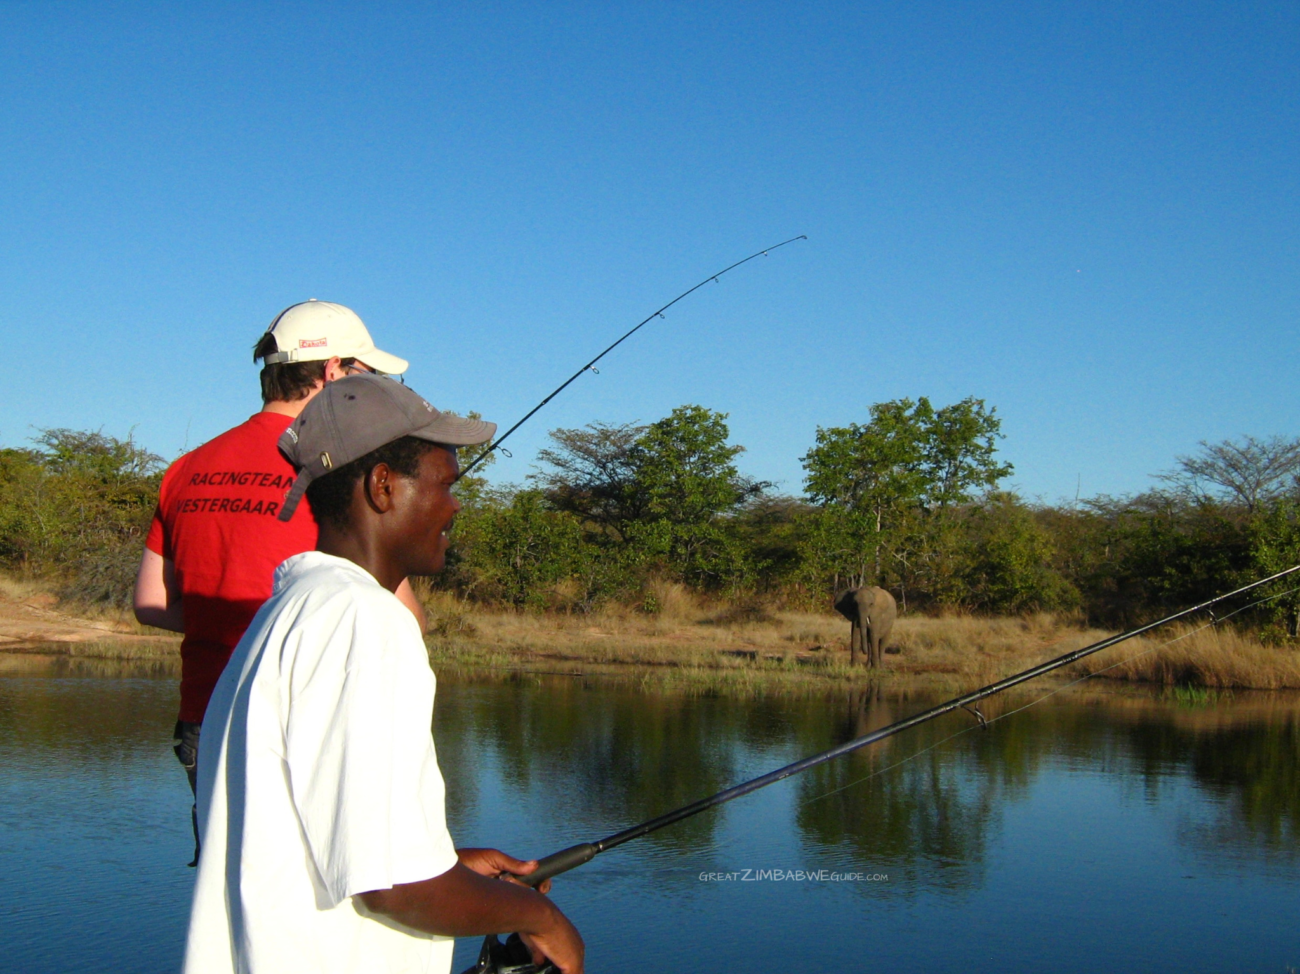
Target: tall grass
{"points": [[703, 646], [689, 642], [1186, 656]]}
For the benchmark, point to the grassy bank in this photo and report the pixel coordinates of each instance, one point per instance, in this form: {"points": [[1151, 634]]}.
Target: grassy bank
{"points": [[1195, 657], [707, 647], [34, 620]]}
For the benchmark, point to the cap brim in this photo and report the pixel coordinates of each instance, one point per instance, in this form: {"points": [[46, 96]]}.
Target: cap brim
{"points": [[383, 362], [454, 431]]}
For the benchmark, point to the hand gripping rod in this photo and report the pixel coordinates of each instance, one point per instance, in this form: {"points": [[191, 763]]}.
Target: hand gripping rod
{"points": [[574, 856], [564, 385]]}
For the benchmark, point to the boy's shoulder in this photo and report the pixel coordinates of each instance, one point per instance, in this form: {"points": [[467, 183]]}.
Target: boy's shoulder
{"points": [[328, 616], [314, 585], [315, 571]]}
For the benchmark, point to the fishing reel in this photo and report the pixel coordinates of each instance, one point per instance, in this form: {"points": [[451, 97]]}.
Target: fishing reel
{"points": [[511, 957]]}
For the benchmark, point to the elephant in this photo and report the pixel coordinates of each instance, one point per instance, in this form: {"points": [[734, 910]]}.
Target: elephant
{"points": [[872, 611]]}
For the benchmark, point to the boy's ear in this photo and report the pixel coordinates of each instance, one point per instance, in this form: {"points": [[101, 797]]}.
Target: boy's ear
{"points": [[378, 487]]}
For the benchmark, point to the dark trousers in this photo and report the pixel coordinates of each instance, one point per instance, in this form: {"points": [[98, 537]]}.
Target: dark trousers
{"points": [[186, 737]]}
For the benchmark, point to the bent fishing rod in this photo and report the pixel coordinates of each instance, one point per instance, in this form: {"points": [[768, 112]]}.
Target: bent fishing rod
{"points": [[574, 856], [591, 365]]}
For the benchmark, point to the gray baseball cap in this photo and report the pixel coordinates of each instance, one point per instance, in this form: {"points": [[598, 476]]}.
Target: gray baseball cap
{"points": [[352, 416]]}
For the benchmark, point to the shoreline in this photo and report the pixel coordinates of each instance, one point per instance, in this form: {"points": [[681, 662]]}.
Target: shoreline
{"points": [[753, 652]]}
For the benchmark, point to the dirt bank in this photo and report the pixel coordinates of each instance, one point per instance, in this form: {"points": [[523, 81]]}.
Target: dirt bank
{"points": [[31, 622], [706, 648]]}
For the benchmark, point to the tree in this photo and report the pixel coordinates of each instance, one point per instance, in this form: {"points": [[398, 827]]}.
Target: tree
{"points": [[516, 549], [1275, 546], [593, 473], [472, 489], [957, 446], [91, 454], [865, 477], [684, 467], [1012, 559], [885, 485], [686, 475], [1162, 551], [872, 469], [1247, 471], [77, 509], [661, 493]]}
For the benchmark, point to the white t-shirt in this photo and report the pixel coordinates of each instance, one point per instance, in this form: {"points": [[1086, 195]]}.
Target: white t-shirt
{"points": [[317, 781]]}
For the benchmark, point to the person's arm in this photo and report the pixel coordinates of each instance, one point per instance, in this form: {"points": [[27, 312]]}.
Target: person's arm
{"points": [[408, 598], [157, 599], [465, 901]]}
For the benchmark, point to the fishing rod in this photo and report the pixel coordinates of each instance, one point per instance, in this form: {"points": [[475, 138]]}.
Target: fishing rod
{"points": [[566, 859], [591, 365], [514, 957]]}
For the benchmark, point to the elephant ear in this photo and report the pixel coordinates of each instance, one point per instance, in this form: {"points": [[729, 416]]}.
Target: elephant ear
{"points": [[847, 604]]}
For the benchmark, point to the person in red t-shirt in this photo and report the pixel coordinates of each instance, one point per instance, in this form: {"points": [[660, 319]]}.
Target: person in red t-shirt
{"points": [[215, 538]]}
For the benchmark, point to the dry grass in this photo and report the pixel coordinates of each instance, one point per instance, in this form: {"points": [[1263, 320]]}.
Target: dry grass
{"points": [[1186, 656], [64, 664], [705, 647], [18, 588], [981, 650], [43, 595], [691, 644], [33, 620]]}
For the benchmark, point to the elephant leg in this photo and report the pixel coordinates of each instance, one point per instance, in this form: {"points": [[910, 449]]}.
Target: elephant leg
{"points": [[877, 644], [855, 643]]}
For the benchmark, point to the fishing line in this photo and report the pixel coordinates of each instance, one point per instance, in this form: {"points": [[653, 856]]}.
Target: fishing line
{"points": [[495, 957], [1055, 690], [574, 856], [496, 444], [803, 803]]}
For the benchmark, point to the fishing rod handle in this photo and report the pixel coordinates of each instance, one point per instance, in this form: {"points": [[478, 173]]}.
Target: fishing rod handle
{"points": [[560, 862]]}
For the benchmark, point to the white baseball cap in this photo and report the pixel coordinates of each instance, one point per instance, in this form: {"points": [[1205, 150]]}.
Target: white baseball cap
{"points": [[314, 331]]}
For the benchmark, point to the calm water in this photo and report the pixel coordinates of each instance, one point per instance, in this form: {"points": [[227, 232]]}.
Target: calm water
{"points": [[1090, 833]]}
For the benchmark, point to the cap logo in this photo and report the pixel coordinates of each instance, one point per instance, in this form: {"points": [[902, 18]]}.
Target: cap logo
{"points": [[293, 434], [313, 342]]}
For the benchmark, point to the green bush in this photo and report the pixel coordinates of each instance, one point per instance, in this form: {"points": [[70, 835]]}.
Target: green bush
{"points": [[905, 501], [76, 510]]}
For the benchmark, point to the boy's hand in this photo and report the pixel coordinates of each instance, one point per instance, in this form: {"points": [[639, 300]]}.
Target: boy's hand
{"points": [[498, 865], [467, 901], [559, 943]]}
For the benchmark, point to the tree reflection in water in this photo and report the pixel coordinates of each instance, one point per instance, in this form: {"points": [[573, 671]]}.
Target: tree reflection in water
{"points": [[927, 814], [1245, 753], [87, 778], [602, 757], [606, 756]]}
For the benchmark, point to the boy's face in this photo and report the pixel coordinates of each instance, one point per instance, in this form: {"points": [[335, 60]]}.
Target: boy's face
{"points": [[425, 512]]}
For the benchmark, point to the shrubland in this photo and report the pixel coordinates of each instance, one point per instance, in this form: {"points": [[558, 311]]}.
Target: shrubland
{"points": [[74, 511], [620, 526], [909, 500]]}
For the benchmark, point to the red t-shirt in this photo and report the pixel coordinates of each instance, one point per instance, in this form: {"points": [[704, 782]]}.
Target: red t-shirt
{"points": [[216, 522]]}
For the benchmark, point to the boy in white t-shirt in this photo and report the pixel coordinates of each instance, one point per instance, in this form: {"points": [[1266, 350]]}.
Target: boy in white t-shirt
{"points": [[320, 801]]}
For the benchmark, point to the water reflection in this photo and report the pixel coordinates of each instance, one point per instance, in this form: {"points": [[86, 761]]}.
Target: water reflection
{"points": [[602, 756], [93, 820], [924, 802], [1245, 754], [1079, 821]]}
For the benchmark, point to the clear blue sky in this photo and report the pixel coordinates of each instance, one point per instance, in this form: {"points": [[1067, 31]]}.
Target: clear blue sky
{"points": [[1086, 214]]}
